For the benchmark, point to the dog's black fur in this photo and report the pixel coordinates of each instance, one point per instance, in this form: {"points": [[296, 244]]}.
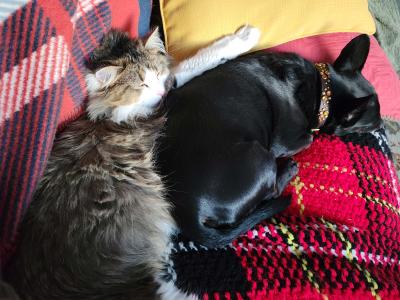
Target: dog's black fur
{"points": [[230, 133], [7, 292]]}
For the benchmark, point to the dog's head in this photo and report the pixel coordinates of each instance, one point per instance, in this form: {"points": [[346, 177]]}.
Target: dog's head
{"points": [[220, 196], [354, 105]]}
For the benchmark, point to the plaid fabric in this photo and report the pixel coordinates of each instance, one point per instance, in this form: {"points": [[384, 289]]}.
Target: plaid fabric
{"points": [[43, 47], [339, 239]]}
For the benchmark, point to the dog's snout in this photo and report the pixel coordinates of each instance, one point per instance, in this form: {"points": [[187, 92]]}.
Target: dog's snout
{"points": [[215, 224]]}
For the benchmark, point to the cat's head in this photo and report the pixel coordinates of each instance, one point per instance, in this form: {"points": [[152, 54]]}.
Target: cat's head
{"points": [[354, 105], [127, 77]]}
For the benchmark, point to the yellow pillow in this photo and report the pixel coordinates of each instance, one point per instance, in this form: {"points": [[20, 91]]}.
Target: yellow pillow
{"points": [[192, 24]]}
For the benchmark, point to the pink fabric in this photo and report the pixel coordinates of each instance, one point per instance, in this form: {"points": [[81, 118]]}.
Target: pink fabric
{"points": [[378, 70]]}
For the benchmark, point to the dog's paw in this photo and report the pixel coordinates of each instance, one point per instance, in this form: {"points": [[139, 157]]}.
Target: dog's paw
{"points": [[249, 36], [292, 168], [287, 170]]}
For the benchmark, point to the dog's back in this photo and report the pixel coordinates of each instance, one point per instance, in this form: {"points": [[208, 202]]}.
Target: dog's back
{"points": [[216, 151]]}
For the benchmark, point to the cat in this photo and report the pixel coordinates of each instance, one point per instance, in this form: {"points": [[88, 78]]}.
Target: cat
{"points": [[99, 222]]}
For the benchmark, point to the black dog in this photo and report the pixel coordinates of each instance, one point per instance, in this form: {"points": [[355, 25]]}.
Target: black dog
{"points": [[230, 133]]}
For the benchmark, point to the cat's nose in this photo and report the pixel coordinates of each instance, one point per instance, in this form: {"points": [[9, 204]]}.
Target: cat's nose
{"points": [[160, 92]]}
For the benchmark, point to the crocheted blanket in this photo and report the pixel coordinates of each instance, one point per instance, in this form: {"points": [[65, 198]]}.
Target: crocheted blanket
{"points": [[339, 239]]}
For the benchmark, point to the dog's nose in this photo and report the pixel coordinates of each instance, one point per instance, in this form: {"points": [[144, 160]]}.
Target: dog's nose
{"points": [[215, 224]]}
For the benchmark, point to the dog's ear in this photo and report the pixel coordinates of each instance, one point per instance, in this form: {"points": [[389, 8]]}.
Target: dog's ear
{"points": [[354, 54]]}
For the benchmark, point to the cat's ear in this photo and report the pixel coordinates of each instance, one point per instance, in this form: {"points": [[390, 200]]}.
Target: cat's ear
{"points": [[154, 41], [101, 78], [354, 54], [107, 75]]}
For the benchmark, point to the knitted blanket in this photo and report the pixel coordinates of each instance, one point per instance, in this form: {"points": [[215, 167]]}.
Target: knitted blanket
{"points": [[339, 239]]}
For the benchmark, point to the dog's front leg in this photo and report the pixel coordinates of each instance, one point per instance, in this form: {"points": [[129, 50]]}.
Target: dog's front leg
{"points": [[287, 170]]}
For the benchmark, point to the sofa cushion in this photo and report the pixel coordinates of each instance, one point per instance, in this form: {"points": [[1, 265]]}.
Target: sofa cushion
{"points": [[189, 25]]}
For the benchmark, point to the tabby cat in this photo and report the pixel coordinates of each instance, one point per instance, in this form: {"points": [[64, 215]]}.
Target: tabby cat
{"points": [[99, 223]]}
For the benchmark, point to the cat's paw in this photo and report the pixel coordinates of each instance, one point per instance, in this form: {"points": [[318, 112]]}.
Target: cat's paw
{"points": [[249, 35], [233, 45]]}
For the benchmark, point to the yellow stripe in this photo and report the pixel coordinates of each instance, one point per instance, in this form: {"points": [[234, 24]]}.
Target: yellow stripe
{"points": [[298, 185], [351, 193], [295, 248], [384, 203], [373, 285], [344, 170]]}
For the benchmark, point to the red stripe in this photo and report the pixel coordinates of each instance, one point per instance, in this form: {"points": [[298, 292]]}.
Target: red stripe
{"points": [[28, 121], [60, 93], [87, 27], [13, 145], [95, 9], [40, 103], [36, 122], [13, 100], [239, 296], [40, 148], [6, 45], [68, 111], [13, 62], [3, 130], [26, 33], [58, 100], [26, 197], [59, 17], [6, 48], [134, 30], [78, 73], [35, 19], [32, 140], [8, 101], [47, 147], [127, 21]]}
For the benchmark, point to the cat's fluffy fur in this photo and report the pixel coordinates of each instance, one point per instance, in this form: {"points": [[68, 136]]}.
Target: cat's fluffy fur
{"points": [[98, 224]]}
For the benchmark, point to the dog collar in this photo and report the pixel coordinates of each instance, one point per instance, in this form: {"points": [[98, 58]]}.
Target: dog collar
{"points": [[326, 94]]}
